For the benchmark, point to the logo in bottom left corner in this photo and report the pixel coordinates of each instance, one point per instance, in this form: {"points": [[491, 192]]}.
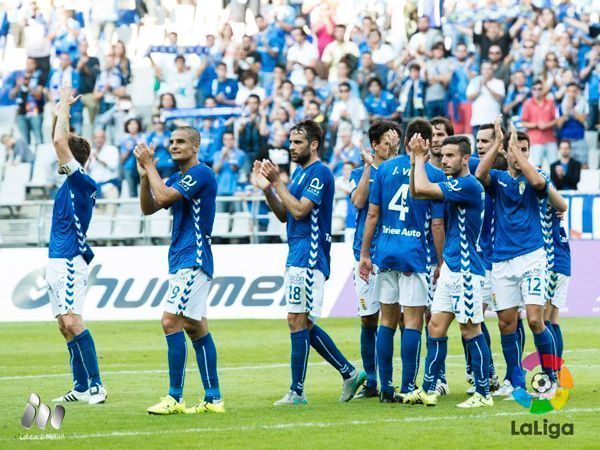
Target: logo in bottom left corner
{"points": [[40, 414]]}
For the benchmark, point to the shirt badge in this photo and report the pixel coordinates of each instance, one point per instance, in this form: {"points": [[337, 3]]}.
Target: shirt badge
{"points": [[521, 187]]}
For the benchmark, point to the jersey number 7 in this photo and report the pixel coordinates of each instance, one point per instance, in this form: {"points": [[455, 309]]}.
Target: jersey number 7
{"points": [[398, 202]]}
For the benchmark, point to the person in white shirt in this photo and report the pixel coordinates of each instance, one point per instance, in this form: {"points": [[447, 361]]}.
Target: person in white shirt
{"points": [[103, 167], [180, 82], [336, 50], [381, 52], [487, 94], [299, 56], [248, 87]]}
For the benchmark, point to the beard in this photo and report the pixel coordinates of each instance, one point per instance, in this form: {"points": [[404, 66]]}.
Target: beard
{"points": [[302, 158]]}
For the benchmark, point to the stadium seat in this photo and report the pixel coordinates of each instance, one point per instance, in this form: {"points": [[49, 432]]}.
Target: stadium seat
{"points": [[8, 115], [42, 166], [127, 226], [221, 225], [100, 228], [276, 228], [590, 180], [242, 224], [158, 225], [12, 188]]}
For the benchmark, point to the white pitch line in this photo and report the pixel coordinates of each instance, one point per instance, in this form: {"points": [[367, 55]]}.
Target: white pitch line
{"points": [[260, 367], [283, 426]]}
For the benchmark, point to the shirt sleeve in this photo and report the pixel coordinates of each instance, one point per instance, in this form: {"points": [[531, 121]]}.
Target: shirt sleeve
{"points": [[77, 179], [315, 188], [375, 191], [458, 190], [494, 176], [354, 180], [192, 182]]}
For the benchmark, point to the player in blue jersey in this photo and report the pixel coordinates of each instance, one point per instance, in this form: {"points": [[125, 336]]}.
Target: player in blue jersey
{"points": [[403, 261], [70, 254], [384, 137], [462, 277], [518, 258], [191, 194], [306, 206]]}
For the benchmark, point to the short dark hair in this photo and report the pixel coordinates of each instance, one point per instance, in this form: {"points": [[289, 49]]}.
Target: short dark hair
{"points": [[133, 119], [344, 84], [180, 57], [380, 127], [488, 126], [80, 148], [192, 132], [375, 80], [521, 136], [537, 81], [418, 125], [249, 74], [311, 129], [253, 96], [462, 141], [565, 141], [221, 64], [307, 89], [439, 120], [573, 83], [414, 66]]}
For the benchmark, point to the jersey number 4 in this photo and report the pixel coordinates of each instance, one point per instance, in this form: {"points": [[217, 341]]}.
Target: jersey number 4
{"points": [[398, 202]]}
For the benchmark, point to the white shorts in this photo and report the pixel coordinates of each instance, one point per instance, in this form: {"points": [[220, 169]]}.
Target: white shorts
{"points": [[450, 296], [304, 291], [188, 293], [67, 284], [392, 287], [367, 302], [486, 290], [557, 288], [519, 281]]}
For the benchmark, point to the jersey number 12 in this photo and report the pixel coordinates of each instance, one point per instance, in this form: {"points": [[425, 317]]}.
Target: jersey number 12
{"points": [[398, 202]]}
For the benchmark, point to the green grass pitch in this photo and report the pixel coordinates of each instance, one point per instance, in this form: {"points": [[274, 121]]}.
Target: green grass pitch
{"points": [[254, 371]]}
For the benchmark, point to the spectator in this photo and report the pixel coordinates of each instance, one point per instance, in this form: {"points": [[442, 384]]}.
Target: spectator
{"points": [[336, 50], [249, 87], [211, 136], [65, 74], [437, 74], [103, 16], [517, 93], [300, 55], [248, 58], [322, 88], [37, 44], [421, 43], [89, 70], [591, 75], [17, 150], [380, 104], [366, 71], [486, 94], [501, 71], [28, 93], [571, 123], [382, 53], [122, 62], [278, 150], [180, 81], [523, 60], [249, 138], [348, 111], [539, 117], [494, 33], [159, 139], [227, 164], [270, 42], [412, 94], [103, 167], [133, 128], [224, 89], [344, 152], [464, 69], [551, 74], [344, 76], [110, 85], [566, 171]]}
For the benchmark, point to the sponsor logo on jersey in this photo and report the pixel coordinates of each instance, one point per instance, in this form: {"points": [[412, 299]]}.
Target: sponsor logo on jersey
{"points": [[187, 182]]}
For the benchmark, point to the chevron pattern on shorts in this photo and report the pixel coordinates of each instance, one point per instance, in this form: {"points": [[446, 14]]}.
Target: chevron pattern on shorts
{"points": [[70, 284], [197, 229], [187, 290]]}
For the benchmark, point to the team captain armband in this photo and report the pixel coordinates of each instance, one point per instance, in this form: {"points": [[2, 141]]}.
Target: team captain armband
{"points": [[71, 167]]}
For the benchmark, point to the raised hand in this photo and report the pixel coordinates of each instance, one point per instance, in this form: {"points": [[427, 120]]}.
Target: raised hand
{"points": [[269, 171], [419, 146], [498, 135], [144, 155], [259, 180], [394, 140], [67, 95], [366, 155]]}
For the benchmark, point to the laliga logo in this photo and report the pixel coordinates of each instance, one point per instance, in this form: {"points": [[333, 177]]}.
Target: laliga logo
{"points": [[541, 384]]}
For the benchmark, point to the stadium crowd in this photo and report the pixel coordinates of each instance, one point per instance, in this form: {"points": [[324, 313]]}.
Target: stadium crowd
{"points": [[258, 67]]}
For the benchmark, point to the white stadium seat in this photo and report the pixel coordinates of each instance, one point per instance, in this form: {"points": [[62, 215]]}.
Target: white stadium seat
{"points": [[42, 166], [158, 225], [590, 180], [221, 225], [100, 227], [127, 226], [12, 188], [242, 224]]}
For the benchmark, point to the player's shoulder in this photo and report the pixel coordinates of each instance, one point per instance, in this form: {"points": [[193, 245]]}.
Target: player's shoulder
{"points": [[474, 163], [393, 163], [434, 173], [321, 170], [357, 173]]}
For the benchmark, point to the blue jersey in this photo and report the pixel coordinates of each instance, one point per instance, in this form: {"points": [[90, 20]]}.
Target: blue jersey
{"points": [[193, 218], [464, 200], [309, 239], [71, 215], [404, 223], [361, 214], [517, 224], [486, 239], [558, 251]]}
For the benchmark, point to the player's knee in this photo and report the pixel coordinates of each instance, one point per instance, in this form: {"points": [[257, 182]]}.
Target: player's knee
{"points": [[170, 324], [435, 329], [507, 324], [72, 327], [370, 321], [297, 322], [536, 324]]}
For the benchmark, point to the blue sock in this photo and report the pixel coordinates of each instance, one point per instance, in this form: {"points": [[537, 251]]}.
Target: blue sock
{"points": [[488, 341], [84, 343], [410, 352], [177, 356], [559, 339], [206, 355], [544, 342], [299, 359], [512, 355], [437, 348], [521, 334], [385, 357], [80, 379], [467, 356], [480, 363], [368, 337], [325, 346]]}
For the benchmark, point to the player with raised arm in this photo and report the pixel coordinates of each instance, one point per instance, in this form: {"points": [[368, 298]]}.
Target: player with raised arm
{"points": [[384, 137], [191, 195], [403, 260], [70, 254], [459, 290], [307, 208], [519, 258]]}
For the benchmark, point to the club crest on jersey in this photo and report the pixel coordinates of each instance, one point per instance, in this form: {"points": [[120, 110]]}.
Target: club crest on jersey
{"points": [[521, 187], [187, 182]]}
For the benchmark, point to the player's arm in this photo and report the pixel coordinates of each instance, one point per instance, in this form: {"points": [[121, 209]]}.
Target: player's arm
{"points": [[556, 200], [365, 266], [273, 201], [162, 196], [360, 196], [60, 135], [421, 187], [438, 232], [487, 162], [299, 209]]}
